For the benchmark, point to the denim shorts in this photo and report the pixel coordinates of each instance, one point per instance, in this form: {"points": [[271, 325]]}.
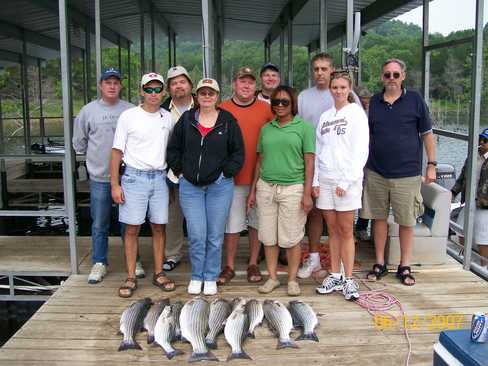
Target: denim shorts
{"points": [[145, 194]]}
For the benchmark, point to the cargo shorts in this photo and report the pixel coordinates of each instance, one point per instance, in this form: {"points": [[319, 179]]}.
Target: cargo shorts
{"points": [[401, 194]]}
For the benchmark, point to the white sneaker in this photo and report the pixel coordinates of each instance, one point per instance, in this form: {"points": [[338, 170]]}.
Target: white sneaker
{"points": [[308, 267], [330, 284], [210, 288], [98, 271], [350, 289], [140, 273], [195, 287]]}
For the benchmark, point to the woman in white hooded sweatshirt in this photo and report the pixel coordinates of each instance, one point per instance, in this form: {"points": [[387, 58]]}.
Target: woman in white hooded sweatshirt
{"points": [[342, 146]]}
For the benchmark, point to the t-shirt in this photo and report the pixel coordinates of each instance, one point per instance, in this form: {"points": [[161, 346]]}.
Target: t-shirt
{"points": [[282, 150], [312, 102], [143, 137], [250, 119], [395, 146]]}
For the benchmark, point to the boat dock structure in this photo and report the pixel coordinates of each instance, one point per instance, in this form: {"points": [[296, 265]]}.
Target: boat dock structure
{"points": [[40, 182]]}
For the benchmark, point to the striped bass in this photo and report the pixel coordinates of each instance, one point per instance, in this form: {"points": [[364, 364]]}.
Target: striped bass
{"points": [[152, 316], [280, 321], [220, 310], [235, 332], [164, 332], [306, 318], [131, 323]]}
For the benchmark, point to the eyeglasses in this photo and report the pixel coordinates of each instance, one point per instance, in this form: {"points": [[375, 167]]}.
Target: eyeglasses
{"points": [[150, 90], [388, 75], [208, 93], [277, 102]]}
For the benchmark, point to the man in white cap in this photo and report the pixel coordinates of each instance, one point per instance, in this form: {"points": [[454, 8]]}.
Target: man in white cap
{"points": [[180, 100], [140, 141]]}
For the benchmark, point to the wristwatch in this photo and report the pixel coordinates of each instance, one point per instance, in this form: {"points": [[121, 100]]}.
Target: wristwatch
{"points": [[434, 163]]}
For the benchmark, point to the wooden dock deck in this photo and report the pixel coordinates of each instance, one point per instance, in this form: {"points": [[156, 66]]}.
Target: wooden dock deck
{"points": [[79, 323]]}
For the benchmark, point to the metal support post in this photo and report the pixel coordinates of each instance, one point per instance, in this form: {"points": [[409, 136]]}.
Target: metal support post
{"points": [[349, 23], [68, 164], [153, 43], [474, 126], [128, 73], [119, 55], [218, 56], [142, 40], [290, 52], [323, 25], [208, 31], [88, 63], [425, 53], [2, 133], [42, 127], [98, 43], [282, 51], [170, 49], [309, 65], [173, 35], [25, 97]]}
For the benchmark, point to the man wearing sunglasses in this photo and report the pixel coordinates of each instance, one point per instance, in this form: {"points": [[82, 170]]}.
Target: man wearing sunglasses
{"points": [[140, 140], [93, 134], [399, 122]]}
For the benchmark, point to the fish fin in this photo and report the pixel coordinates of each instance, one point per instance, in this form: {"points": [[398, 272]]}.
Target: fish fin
{"points": [[251, 335], [242, 355], [286, 344], [127, 345], [308, 336], [212, 344], [207, 356], [173, 353], [150, 339]]}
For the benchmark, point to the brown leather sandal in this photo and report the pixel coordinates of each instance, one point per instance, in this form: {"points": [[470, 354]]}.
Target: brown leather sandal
{"points": [[254, 274], [166, 284], [226, 276], [127, 290]]}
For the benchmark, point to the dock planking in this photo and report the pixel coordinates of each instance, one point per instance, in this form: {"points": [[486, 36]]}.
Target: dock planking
{"points": [[78, 325]]}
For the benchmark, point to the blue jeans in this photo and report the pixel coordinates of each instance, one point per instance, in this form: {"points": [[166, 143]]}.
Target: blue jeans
{"points": [[206, 209], [101, 212]]}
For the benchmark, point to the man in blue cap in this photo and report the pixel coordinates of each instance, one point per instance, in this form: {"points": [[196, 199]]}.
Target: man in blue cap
{"points": [[480, 227], [93, 135], [270, 79]]}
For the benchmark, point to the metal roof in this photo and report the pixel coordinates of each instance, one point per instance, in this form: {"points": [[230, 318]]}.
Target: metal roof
{"points": [[37, 20]]}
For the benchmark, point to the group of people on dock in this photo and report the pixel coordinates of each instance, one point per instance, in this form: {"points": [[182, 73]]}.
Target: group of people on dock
{"points": [[268, 161]]}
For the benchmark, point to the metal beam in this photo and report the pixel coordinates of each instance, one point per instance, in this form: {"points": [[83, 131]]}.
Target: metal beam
{"points": [[68, 164], [19, 33], [425, 53], [208, 31], [17, 57], [474, 126], [83, 20], [289, 11], [448, 44], [282, 52], [148, 5], [173, 37], [88, 67], [142, 38], [98, 43], [290, 53], [25, 99], [323, 25], [153, 43]]}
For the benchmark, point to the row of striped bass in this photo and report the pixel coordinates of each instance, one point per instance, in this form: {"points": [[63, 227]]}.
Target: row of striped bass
{"points": [[131, 323]]}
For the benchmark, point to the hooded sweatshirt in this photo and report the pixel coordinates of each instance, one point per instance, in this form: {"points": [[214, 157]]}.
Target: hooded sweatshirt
{"points": [[342, 146]]}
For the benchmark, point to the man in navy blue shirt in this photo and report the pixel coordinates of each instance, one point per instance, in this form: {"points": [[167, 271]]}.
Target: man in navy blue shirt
{"points": [[399, 122]]}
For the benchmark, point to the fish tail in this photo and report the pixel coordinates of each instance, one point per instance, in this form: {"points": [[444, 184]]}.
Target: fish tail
{"points": [[237, 355], [308, 336], [150, 339], [251, 335], [129, 345], [173, 353], [286, 344], [207, 356]]}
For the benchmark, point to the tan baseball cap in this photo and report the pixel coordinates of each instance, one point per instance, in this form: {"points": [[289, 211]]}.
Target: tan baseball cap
{"points": [[177, 71], [146, 78], [208, 83], [244, 71]]}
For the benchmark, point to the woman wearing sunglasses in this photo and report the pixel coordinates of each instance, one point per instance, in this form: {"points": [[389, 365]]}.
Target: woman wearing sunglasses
{"points": [[206, 151], [282, 186], [342, 140], [481, 213]]}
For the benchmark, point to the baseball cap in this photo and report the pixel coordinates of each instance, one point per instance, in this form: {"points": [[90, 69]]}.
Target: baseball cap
{"points": [[208, 83], [484, 133], [111, 71], [269, 66], [146, 78], [244, 71], [177, 71]]}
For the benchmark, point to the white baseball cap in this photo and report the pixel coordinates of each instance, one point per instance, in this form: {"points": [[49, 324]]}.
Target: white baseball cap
{"points": [[150, 77], [177, 71], [208, 83]]}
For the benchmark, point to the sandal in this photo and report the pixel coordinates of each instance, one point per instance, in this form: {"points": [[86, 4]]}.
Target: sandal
{"points": [[127, 290], [226, 276], [166, 285], [378, 271], [254, 274], [404, 273]]}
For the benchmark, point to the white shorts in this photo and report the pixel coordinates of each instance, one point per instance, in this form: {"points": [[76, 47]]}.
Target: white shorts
{"points": [[329, 200], [480, 225], [238, 220]]}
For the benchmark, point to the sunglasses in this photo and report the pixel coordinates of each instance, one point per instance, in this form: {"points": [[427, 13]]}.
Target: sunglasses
{"points": [[482, 141], [207, 93], [388, 75], [277, 102], [150, 90]]}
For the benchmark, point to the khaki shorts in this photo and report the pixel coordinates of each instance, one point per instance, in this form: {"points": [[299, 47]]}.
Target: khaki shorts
{"points": [[238, 220], [402, 194], [281, 217]]}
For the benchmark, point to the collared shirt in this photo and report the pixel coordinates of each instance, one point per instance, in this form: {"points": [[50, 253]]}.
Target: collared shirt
{"points": [[176, 113], [395, 134]]}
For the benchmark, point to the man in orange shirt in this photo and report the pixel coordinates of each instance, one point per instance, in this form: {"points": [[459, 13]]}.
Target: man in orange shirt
{"points": [[251, 115]]}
